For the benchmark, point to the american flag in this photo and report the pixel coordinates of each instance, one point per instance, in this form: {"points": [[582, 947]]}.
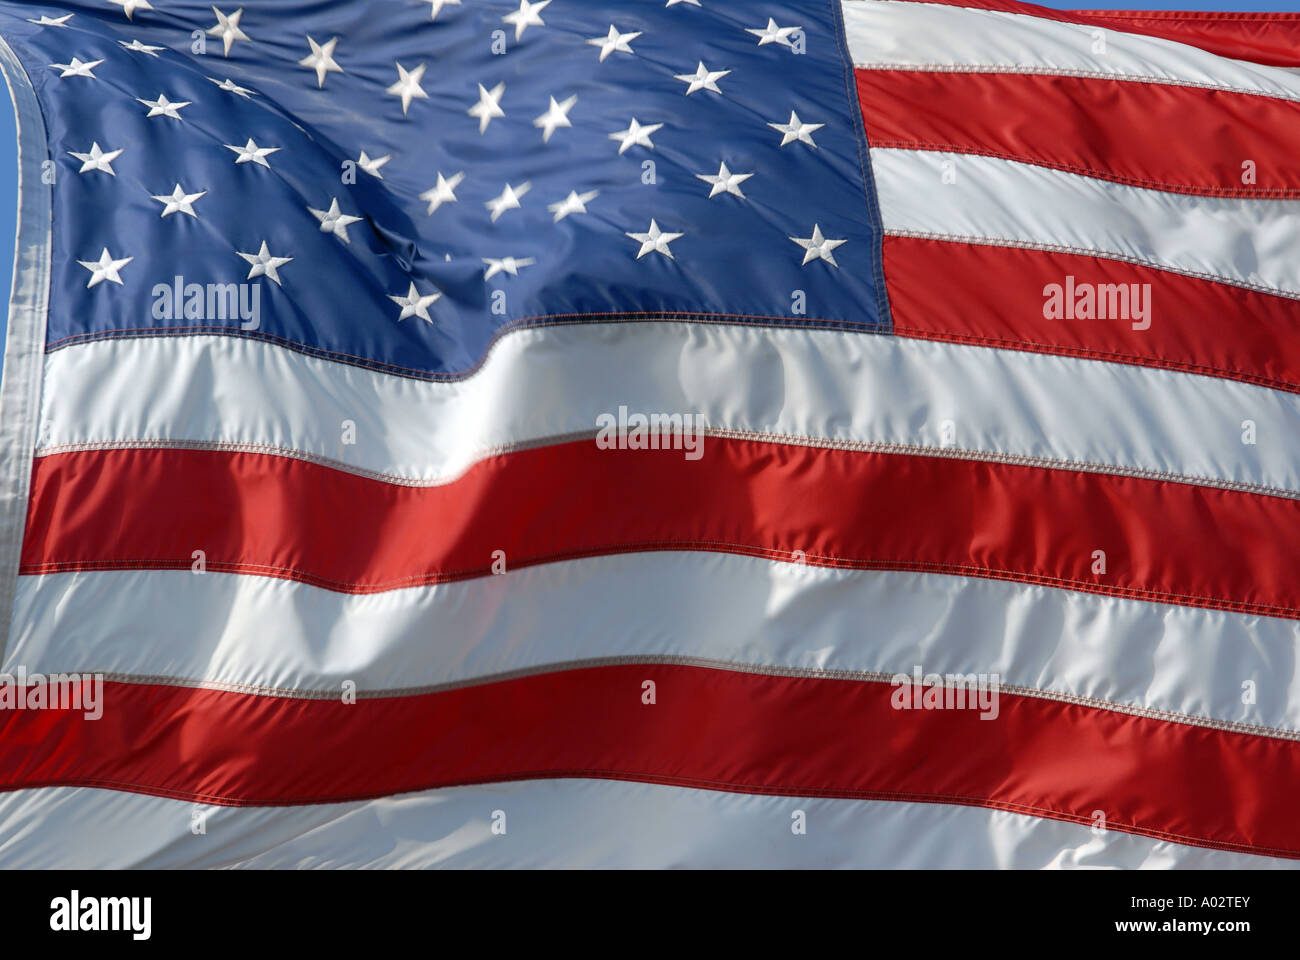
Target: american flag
{"points": [[554, 433]]}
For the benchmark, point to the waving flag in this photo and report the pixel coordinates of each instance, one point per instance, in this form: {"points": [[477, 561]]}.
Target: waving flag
{"points": [[565, 433]]}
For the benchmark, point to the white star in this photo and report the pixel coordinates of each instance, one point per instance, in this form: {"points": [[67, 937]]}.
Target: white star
{"points": [[725, 181], [252, 153], [131, 6], [408, 86], [774, 34], [702, 79], [334, 220], [76, 68], [162, 107], [575, 202], [139, 47], [105, 268], [508, 200], [818, 247], [321, 59], [506, 264], [443, 192], [655, 241], [556, 116], [372, 164], [435, 6], [796, 129], [264, 264], [673, 3], [415, 304], [230, 86], [51, 21], [488, 106], [615, 42], [179, 202], [227, 28], [635, 135], [97, 159], [528, 15], [510, 265]]}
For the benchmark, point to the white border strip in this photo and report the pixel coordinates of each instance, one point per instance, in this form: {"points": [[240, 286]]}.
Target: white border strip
{"points": [[20, 387]]}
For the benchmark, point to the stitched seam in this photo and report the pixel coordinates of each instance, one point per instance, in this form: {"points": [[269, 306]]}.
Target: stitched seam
{"points": [[1011, 459], [824, 793], [1088, 252], [1086, 17], [288, 453], [871, 194], [1067, 72], [1242, 193], [755, 436], [1185, 366], [1159, 16], [683, 660], [290, 573], [847, 326]]}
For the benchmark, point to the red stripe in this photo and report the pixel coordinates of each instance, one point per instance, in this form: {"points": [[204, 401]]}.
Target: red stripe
{"points": [[1267, 38], [273, 516], [713, 729], [1272, 39], [1142, 134], [1197, 326]]}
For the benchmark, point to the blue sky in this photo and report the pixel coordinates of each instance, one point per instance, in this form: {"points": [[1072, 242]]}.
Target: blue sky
{"points": [[9, 148]]}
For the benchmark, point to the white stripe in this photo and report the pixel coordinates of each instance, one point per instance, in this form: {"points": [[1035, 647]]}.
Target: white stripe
{"points": [[887, 33], [781, 383], [564, 823], [1249, 243], [243, 631]]}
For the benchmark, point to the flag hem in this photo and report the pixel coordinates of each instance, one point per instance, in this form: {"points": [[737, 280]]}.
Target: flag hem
{"points": [[885, 320], [20, 383]]}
